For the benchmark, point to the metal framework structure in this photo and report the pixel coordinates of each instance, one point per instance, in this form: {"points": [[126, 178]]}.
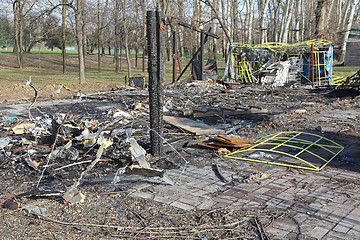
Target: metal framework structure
{"points": [[317, 56], [291, 149], [203, 39]]}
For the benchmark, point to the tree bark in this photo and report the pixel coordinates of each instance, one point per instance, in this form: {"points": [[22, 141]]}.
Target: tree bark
{"points": [[263, 25], [83, 29], [223, 41], [79, 36], [117, 36], [345, 14], [297, 20], [98, 36], [136, 57], [214, 26], [127, 51], [320, 17], [102, 26], [21, 36], [330, 11], [143, 8], [249, 20], [63, 36], [235, 20], [17, 47], [276, 20], [348, 28], [286, 22]]}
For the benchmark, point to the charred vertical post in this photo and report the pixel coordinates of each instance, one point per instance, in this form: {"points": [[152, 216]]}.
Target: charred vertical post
{"points": [[202, 43], [174, 57], [154, 27]]}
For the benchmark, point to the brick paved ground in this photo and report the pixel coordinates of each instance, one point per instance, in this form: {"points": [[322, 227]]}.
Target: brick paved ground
{"points": [[320, 207]]}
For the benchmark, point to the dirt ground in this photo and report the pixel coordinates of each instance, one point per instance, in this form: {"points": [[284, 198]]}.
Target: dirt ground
{"points": [[110, 211]]}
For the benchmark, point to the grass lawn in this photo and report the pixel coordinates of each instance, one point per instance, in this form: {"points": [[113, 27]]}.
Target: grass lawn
{"points": [[45, 68], [46, 72]]}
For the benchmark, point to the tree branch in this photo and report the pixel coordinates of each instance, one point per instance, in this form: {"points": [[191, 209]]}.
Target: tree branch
{"points": [[207, 2]]}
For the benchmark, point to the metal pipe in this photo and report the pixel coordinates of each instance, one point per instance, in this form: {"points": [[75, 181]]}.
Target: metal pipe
{"points": [[312, 65]]}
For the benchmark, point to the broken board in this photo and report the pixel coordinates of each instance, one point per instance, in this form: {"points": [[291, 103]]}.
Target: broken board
{"points": [[192, 126], [227, 112], [226, 142]]}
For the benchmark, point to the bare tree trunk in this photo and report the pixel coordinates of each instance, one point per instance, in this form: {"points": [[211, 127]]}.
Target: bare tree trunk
{"points": [[83, 29], [263, 25], [302, 34], [120, 54], [235, 20], [338, 12], [19, 15], [298, 16], [98, 36], [127, 51], [348, 28], [143, 8], [286, 23], [16, 9], [218, 18], [181, 33], [249, 20], [143, 60], [214, 26], [21, 37], [136, 56], [168, 44], [223, 41], [357, 19], [320, 12], [102, 27], [330, 11], [63, 36], [276, 20], [345, 14], [79, 36], [117, 35]]}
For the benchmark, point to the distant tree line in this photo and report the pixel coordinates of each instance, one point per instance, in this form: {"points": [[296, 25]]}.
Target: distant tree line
{"points": [[103, 26]]}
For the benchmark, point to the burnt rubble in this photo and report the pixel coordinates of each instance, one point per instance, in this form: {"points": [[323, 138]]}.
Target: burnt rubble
{"points": [[72, 143]]}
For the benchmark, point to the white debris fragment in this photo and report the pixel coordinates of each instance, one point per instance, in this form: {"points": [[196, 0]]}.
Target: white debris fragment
{"points": [[276, 75], [260, 155], [122, 114]]}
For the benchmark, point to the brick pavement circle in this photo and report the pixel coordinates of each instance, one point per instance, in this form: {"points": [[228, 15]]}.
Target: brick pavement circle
{"points": [[332, 213]]}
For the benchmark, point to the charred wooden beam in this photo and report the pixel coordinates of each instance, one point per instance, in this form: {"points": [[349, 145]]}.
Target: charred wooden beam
{"points": [[154, 27]]}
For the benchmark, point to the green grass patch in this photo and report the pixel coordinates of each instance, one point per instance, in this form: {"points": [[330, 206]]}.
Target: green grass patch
{"points": [[345, 71]]}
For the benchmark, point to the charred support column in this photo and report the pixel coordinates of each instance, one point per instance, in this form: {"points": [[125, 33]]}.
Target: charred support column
{"points": [[154, 27], [174, 57], [202, 35]]}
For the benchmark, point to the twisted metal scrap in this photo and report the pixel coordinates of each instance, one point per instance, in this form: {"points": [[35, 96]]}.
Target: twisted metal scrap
{"points": [[28, 83]]}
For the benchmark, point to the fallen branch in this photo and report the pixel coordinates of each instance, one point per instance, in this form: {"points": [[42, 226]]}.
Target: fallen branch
{"points": [[17, 123], [79, 163]]}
